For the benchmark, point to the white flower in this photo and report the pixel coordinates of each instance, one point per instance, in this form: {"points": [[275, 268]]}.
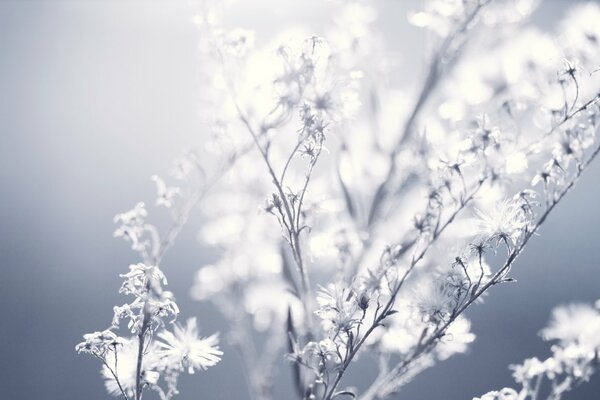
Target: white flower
{"points": [[258, 302], [140, 278], [99, 343], [516, 162], [458, 336], [165, 195], [124, 366], [578, 323], [132, 226], [504, 223], [316, 352], [436, 299], [531, 368], [582, 31], [182, 349], [504, 394], [338, 307]]}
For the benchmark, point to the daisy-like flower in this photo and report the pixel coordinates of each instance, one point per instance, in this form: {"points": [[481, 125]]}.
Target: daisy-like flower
{"points": [[183, 349], [338, 307]]}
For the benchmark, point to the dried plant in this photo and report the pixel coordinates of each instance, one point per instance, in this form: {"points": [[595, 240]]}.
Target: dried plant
{"points": [[351, 219]]}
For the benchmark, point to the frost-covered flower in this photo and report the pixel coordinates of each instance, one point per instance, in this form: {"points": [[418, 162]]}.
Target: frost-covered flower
{"points": [[183, 349]]}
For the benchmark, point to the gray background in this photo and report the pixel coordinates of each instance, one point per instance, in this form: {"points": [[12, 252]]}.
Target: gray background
{"points": [[95, 96]]}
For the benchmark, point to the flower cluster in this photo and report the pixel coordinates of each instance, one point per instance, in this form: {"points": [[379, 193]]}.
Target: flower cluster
{"points": [[349, 219], [152, 355], [575, 356]]}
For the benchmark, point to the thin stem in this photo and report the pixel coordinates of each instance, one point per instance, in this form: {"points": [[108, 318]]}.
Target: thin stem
{"points": [[432, 79], [390, 303], [440, 331], [183, 217], [140, 357], [289, 160], [295, 244], [530, 148], [113, 373]]}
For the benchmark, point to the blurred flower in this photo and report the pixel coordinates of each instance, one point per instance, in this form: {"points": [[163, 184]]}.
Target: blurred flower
{"points": [[579, 323], [457, 338], [581, 32], [504, 394], [165, 195]]}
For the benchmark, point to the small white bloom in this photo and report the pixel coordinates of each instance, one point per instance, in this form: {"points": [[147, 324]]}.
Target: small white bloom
{"points": [[457, 338], [504, 394], [574, 323], [165, 195], [131, 226], [505, 222]]}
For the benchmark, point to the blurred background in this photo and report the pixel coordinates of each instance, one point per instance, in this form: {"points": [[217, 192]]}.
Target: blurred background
{"points": [[95, 97]]}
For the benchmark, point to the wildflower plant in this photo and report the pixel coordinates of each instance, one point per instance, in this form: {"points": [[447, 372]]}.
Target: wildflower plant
{"points": [[574, 359], [350, 220]]}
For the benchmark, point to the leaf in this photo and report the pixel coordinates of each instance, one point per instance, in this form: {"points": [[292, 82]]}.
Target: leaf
{"points": [[291, 331], [344, 393], [347, 196], [287, 271]]}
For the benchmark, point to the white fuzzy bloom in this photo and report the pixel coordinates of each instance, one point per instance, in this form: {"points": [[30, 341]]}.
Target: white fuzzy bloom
{"points": [[126, 369], [183, 349], [504, 222]]}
